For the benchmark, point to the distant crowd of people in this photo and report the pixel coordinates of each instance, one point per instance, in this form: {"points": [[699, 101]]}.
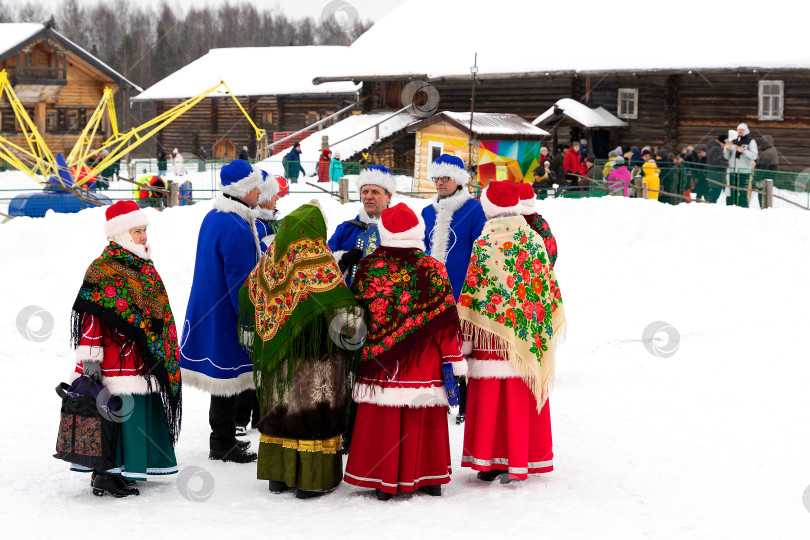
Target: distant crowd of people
{"points": [[701, 172]]}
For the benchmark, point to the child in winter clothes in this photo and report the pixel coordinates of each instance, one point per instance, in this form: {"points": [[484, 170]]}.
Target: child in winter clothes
{"points": [[619, 178], [651, 170]]}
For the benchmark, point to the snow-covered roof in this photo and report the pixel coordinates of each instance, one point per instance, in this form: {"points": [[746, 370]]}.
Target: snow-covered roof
{"points": [[13, 34], [16, 35], [426, 38], [581, 114], [505, 126], [253, 71], [348, 137]]}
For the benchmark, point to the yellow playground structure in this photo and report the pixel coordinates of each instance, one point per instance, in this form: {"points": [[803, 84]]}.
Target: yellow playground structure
{"points": [[39, 163]]}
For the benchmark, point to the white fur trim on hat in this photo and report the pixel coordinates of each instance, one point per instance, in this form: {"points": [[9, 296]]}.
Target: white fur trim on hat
{"points": [[492, 211], [441, 170], [268, 189], [527, 206], [412, 238], [244, 186], [377, 178], [125, 223]]}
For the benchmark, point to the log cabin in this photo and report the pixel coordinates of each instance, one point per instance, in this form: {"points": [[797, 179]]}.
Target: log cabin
{"points": [[273, 85], [58, 83], [673, 89]]}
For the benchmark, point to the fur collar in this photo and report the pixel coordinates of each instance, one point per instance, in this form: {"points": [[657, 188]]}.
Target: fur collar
{"points": [[230, 206], [264, 214], [364, 217], [445, 209]]}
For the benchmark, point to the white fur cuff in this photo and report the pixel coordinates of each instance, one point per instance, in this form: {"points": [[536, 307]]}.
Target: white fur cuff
{"points": [[460, 368], [490, 369]]}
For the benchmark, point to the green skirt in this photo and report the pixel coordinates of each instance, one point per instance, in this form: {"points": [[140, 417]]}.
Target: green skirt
{"points": [[307, 465], [143, 445]]}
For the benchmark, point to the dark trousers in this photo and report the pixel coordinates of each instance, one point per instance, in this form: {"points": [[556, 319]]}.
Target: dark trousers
{"points": [[246, 406], [739, 197], [462, 396], [223, 426]]}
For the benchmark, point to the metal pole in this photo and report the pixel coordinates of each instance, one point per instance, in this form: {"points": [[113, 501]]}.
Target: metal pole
{"points": [[474, 70]]}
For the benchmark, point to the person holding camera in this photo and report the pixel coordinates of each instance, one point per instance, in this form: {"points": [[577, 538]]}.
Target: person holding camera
{"points": [[741, 154]]}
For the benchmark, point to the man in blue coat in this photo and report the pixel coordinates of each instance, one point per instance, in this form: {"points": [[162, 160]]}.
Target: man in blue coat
{"points": [[356, 238], [211, 358], [453, 221]]}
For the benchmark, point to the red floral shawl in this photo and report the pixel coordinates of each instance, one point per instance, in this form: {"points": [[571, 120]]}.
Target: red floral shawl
{"points": [[408, 298]]}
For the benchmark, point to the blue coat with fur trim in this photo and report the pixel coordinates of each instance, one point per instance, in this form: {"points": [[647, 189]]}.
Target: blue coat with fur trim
{"points": [[227, 251], [452, 224], [347, 236]]}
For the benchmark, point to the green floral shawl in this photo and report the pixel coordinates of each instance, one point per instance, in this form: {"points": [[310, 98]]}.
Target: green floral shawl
{"points": [[294, 291]]}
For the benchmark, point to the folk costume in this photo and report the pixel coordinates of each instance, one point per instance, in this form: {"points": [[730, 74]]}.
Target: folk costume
{"points": [[400, 441], [361, 232], [123, 323], [452, 223], [292, 304], [211, 358], [512, 313], [536, 222]]}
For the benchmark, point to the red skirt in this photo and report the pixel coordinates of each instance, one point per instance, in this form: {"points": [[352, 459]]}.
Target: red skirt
{"points": [[398, 449], [504, 431]]}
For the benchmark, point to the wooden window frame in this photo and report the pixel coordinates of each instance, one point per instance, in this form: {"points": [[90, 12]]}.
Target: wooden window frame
{"points": [[431, 146], [632, 115], [766, 110]]}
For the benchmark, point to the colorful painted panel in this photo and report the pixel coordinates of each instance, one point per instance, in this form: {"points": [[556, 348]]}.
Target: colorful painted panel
{"points": [[507, 160]]}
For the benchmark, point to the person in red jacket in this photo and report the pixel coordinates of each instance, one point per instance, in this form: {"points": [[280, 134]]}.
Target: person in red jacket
{"points": [[571, 164], [324, 162]]}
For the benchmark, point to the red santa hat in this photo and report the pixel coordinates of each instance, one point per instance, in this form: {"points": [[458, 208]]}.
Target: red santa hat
{"points": [[501, 199], [527, 198], [401, 227], [124, 216]]}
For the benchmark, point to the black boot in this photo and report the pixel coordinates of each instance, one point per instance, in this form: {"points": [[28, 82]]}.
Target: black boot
{"points": [[244, 445], [235, 454], [124, 481], [382, 496], [278, 487], [303, 494], [489, 476], [433, 491], [108, 483]]}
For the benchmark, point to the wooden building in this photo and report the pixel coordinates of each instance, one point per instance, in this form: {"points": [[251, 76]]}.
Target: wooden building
{"points": [[681, 93], [500, 146], [272, 84], [58, 83]]}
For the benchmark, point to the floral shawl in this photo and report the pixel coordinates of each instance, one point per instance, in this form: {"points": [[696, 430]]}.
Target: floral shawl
{"points": [[540, 226], [127, 293], [408, 298], [512, 298], [289, 298]]}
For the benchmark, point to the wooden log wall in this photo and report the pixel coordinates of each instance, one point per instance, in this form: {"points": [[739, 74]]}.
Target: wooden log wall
{"points": [[220, 119]]}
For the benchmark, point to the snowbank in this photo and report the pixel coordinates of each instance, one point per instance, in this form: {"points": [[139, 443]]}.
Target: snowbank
{"points": [[711, 442]]}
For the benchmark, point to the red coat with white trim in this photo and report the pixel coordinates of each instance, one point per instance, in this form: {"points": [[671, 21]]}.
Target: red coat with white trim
{"points": [[415, 383], [121, 360]]}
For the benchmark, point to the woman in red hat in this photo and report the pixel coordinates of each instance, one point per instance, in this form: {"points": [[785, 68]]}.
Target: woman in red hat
{"points": [[400, 441], [125, 337], [512, 318]]}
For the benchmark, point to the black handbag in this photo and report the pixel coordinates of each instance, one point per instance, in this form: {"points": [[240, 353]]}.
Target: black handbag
{"points": [[87, 435]]}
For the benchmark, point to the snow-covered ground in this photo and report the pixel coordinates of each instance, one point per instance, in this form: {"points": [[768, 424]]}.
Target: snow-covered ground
{"points": [[709, 442]]}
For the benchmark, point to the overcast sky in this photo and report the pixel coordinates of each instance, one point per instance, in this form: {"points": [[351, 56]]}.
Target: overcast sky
{"points": [[365, 9]]}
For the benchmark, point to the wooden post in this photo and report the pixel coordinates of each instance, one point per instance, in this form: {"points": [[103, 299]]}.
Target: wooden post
{"points": [[343, 190], [174, 193], [644, 189], [767, 199]]}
